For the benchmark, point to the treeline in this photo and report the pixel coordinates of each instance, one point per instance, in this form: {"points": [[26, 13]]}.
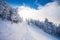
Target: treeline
{"points": [[9, 13], [46, 26]]}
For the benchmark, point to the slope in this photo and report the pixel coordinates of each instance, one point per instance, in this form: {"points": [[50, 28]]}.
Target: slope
{"points": [[22, 31]]}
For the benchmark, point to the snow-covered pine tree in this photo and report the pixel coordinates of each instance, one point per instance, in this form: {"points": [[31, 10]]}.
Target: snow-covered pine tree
{"points": [[9, 13]]}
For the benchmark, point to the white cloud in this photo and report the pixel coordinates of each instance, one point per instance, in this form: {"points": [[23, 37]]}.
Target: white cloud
{"points": [[50, 11], [58, 1]]}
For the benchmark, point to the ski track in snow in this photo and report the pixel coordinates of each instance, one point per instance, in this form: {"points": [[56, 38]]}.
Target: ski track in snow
{"points": [[22, 31]]}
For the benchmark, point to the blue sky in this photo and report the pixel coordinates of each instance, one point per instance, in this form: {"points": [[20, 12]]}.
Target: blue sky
{"points": [[31, 3]]}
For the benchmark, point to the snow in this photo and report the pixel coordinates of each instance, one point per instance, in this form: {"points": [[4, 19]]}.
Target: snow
{"points": [[22, 31]]}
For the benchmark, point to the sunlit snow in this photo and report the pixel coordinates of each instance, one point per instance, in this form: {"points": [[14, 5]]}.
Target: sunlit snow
{"points": [[22, 31]]}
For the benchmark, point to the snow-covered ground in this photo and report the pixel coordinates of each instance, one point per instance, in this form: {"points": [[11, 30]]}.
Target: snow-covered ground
{"points": [[22, 31]]}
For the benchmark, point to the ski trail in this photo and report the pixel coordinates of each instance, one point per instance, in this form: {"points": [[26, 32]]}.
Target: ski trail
{"points": [[22, 31], [38, 34]]}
